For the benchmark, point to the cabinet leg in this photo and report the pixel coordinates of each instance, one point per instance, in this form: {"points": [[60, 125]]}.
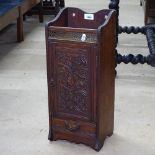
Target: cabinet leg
{"points": [[24, 17], [98, 145], [20, 33], [62, 3], [41, 18], [57, 6], [50, 135], [110, 134]]}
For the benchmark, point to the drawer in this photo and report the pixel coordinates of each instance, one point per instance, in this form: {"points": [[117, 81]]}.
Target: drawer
{"points": [[74, 131], [73, 126]]}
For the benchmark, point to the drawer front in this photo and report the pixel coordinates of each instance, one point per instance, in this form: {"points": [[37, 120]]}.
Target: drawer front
{"points": [[78, 128]]}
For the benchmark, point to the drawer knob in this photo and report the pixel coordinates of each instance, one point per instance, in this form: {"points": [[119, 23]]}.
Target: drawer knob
{"points": [[72, 126], [83, 37]]}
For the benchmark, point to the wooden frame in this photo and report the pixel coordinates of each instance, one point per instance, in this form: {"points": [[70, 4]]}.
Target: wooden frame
{"points": [[149, 31]]}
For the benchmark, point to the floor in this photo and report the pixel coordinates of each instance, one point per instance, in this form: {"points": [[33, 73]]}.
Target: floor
{"points": [[23, 92]]}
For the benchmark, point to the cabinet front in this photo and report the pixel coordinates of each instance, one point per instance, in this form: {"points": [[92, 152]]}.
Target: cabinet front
{"points": [[72, 80]]}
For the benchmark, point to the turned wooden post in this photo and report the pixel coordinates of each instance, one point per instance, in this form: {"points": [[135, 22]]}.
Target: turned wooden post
{"points": [[62, 3], [57, 7], [41, 11]]}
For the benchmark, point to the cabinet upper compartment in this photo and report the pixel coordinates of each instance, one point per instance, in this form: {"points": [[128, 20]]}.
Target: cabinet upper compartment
{"points": [[76, 25], [77, 18]]}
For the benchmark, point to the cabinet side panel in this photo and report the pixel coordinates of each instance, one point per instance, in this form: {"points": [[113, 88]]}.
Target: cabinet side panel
{"points": [[106, 79]]}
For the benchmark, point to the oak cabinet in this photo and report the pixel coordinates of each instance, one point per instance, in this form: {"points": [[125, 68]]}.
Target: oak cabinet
{"points": [[81, 75]]}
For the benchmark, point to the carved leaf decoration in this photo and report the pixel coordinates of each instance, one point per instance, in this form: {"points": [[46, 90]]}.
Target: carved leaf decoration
{"points": [[73, 82]]}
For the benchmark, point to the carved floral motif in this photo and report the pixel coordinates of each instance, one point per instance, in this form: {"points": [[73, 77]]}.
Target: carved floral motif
{"points": [[72, 81]]}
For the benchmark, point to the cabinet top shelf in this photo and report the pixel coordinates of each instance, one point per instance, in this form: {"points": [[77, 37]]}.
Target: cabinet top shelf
{"points": [[77, 18]]}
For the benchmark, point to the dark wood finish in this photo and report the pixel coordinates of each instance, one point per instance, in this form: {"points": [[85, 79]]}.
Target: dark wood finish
{"points": [[62, 3], [114, 4], [149, 9], [81, 75], [20, 34], [41, 18]]}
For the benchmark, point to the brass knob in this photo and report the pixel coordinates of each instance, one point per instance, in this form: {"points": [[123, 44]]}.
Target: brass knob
{"points": [[72, 126]]}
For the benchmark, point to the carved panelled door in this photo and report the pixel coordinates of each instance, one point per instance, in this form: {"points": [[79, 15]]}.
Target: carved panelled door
{"points": [[72, 80]]}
